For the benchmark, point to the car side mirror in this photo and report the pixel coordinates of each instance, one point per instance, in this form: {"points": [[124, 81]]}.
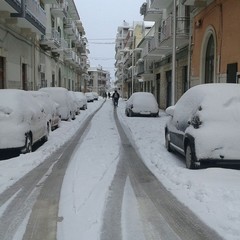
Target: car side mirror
{"points": [[170, 110], [195, 121]]}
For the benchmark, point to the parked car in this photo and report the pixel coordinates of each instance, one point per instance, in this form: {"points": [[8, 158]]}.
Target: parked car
{"points": [[76, 107], [50, 107], [89, 96], [141, 104], [61, 96], [204, 125], [82, 100], [95, 96], [22, 121]]}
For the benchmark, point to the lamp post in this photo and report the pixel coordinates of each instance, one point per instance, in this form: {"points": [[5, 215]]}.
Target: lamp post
{"points": [[134, 50]]}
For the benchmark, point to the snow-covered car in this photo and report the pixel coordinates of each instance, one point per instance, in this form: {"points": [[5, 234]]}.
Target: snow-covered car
{"points": [[76, 107], [89, 96], [141, 104], [82, 100], [61, 96], [204, 125], [51, 108], [95, 95], [22, 121]]}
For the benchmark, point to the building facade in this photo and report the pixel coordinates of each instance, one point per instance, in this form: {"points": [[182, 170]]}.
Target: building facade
{"points": [[42, 43], [99, 80], [206, 49]]}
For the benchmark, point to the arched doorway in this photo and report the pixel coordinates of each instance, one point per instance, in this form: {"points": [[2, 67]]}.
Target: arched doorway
{"points": [[209, 60]]}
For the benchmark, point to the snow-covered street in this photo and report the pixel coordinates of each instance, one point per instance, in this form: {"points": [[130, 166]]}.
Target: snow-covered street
{"points": [[212, 194]]}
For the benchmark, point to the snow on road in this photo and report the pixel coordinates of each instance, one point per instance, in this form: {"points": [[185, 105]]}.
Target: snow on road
{"points": [[88, 178], [212, 193]]}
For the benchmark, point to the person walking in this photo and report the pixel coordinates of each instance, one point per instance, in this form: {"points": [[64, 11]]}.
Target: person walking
{"points": [[115, 98]]}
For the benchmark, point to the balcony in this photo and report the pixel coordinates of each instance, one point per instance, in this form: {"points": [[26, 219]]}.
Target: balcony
{"points": [[70, 56], [162, 42], [161, 4], [59, 10], [77, 40], [63, 46], [80, 27], [51, 40], [51, 1], [149, 13], [195, 3], [25, 14], [70, 28]]}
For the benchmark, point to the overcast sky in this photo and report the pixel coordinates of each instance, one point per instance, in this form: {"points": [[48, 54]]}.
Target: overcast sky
{"points": [[100, 20]]}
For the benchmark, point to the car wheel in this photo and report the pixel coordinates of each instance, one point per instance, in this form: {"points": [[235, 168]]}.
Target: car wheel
{"points": [[167, 142], [190, 157], [28, 144]]}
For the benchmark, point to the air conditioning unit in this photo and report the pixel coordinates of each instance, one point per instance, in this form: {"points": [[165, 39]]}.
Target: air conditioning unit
{"points": [[41, 68]]}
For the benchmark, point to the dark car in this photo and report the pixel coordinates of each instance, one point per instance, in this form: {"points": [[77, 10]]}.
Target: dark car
{"points": [[204, 125]]}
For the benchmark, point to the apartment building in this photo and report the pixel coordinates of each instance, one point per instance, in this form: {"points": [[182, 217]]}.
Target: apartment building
{"points": [[42, 43], [127, 54], [158, 50], [215, 44], [99, 80]]}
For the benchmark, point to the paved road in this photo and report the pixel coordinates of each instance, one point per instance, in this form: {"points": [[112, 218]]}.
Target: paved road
{"points": [[161, 215]]}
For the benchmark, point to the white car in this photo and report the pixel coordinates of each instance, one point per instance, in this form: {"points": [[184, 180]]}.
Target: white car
{"points": [[89, 96], [95, 95], [61, 96], [22, 121], [50, 107], [142, 104], [82, 100], [204, 125], [76, 107]]}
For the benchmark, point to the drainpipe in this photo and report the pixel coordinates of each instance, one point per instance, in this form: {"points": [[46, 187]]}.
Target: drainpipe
{"points": [[189, 51], [174, 54]]}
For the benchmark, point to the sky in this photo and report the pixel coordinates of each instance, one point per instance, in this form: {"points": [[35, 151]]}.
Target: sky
{"points": [[211, 193], [100, 20]]}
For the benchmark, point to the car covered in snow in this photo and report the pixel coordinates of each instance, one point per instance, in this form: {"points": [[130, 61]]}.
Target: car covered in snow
{"points": [[204, 125], [76, 108], [95, 95], [82, 100], [89, 96], [51, 108], [142, 104], [22, 121], [65, 103]]}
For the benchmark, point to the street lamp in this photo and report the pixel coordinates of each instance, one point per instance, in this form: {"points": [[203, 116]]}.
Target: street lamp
{"points": [[134, 50]]}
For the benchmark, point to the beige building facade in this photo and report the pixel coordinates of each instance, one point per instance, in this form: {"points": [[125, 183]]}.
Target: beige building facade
{"points": [[42, 43]]}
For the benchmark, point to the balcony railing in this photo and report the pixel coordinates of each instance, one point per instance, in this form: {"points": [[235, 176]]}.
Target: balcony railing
{"points": [[59, 9], [32, 16], [70, 28], [51, 39], [150, 13]]}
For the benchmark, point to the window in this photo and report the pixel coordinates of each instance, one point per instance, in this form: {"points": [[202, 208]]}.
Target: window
{"points": [[209, 61]]}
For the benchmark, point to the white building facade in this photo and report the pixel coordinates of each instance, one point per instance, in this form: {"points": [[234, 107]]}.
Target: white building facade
{"points": [[42, 43]]}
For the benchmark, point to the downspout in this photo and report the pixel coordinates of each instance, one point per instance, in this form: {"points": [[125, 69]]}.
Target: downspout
{"points": [[174, 54], [189, 51]]}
